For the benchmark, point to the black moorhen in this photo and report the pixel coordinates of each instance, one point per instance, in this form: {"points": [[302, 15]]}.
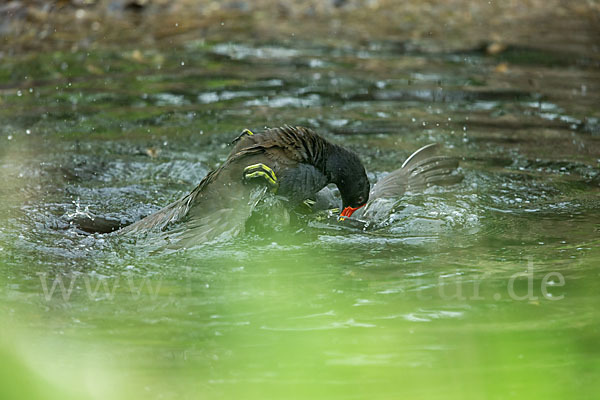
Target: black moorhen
{"points": [[294, 162]]}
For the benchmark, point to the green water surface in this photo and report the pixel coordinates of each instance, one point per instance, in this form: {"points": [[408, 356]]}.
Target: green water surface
{"points": [[487, 289]]}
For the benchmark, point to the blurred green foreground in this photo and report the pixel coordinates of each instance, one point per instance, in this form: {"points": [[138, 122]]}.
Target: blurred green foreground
{"points": [[483, 290]]}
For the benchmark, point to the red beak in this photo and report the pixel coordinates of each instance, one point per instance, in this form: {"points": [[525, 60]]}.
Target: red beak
{"points": [[348, 211]]}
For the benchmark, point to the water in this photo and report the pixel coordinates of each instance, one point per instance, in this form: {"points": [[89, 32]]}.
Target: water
{"points": [[484, 289]]}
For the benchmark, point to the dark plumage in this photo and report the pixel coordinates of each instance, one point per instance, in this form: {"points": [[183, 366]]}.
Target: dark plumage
{"points": [[423, 168], [303, 163]]}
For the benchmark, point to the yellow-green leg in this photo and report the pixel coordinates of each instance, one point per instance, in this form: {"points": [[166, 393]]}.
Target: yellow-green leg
{"points": [[263, 171], [244, 133]]}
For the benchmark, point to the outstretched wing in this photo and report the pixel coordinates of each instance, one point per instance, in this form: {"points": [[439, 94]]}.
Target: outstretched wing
{"points": [[218, 217], [422, 169], [171, 213], [217, 208]]}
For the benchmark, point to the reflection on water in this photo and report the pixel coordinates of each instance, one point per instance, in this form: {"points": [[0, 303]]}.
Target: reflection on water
{"points": [[462, 284]]}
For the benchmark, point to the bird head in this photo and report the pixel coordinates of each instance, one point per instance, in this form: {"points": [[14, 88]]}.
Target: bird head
{"points": [[348, 173]]}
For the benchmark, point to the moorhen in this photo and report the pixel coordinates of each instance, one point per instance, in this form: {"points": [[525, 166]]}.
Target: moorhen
{"points": [[294, 162]]}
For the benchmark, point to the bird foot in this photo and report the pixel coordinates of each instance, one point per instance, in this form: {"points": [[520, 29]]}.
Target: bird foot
{"points": [[260, 170], [309, 203], [244, 133]]}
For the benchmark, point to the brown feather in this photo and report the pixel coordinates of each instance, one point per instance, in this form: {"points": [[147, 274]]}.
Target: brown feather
{"points": [[222, 202]]}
